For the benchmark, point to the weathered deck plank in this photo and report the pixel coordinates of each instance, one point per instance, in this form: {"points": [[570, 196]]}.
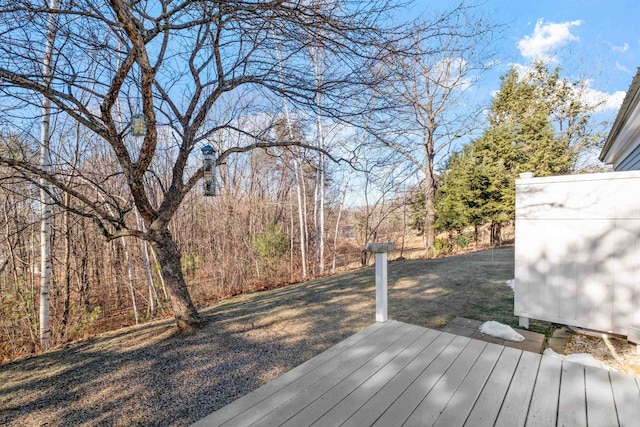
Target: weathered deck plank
{"points": [[486, 408], [326, 394], [284, 404], [399, 410], [393, 374], [461, 403], [543, 408], [439, 396], [355, 400], [601, 408], [572, 405], [514, 410], [390, 392], [627, 398]]}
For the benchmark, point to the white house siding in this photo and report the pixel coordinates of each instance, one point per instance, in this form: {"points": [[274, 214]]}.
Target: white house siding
{"points": [[577, 250]]}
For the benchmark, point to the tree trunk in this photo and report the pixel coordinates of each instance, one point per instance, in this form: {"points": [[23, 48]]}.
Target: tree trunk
{"points": [[184, 312], [45, 199], [496, 234], [337, 229], [132, 288], [430, 211], [317, 57], [475, 235], [153, 295], [302, 213], [67, 269]]}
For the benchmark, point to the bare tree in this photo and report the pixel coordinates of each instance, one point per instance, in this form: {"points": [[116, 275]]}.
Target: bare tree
{"points": [[173, 64], [430, 90], [45, 160]]}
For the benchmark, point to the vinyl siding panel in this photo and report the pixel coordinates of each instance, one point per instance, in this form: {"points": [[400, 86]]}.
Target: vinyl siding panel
{"points": [[578, 250]]}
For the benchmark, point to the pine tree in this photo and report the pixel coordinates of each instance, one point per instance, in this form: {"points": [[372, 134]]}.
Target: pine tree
{"points": [[537, 123]]}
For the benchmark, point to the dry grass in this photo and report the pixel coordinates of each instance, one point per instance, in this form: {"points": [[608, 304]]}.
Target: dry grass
{"points": [[152, 375]]}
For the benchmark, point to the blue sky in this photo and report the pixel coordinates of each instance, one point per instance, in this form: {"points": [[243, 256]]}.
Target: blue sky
{"points": [[593, 40]]}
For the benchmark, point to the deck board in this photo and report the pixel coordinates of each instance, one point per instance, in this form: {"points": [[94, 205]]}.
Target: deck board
{"points": [[514, 410], [359, 397], [399, 410], [439, 396], [285, 403], [572, 406], [487, 406], [371, 411], [327, 396], [543, 408], [461, 403], [601, 408], [312, 392], [627, 398], [393, 374]]}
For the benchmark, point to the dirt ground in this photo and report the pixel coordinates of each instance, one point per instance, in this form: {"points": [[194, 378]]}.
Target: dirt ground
{"points": [[614, 351], [152, 375]]}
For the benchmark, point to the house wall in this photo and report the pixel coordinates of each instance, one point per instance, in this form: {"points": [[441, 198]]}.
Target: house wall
{"points": [[578, 250], [630, 163]]}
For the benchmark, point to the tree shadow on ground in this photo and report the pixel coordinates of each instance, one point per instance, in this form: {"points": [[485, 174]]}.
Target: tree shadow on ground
{"points": [[154, 375]]}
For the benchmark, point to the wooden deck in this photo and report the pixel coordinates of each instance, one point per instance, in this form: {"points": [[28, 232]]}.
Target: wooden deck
{"points": [[396, 374]]}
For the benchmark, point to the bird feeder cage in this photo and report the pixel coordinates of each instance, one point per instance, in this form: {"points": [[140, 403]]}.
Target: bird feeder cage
{"points": [[137, 125], [209, 170]]}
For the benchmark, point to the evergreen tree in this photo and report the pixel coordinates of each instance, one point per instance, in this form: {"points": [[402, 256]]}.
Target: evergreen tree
{"points": [[537, 123]]}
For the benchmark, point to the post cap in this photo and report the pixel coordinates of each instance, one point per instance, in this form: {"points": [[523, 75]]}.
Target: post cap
{"points": [[379, 247]]}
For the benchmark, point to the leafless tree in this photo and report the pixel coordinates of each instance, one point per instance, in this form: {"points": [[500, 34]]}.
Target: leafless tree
{"points": [[175, 64], [433, 93]]}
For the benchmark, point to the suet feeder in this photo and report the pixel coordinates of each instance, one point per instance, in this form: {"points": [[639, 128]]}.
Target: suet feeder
{"points": [[209, 170], [137, 125]]}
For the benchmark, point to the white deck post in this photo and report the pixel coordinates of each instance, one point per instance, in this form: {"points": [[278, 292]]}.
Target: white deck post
{"points": [[381, 249]]}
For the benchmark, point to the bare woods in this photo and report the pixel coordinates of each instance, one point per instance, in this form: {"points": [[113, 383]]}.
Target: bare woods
{"points": [[246, 238]]}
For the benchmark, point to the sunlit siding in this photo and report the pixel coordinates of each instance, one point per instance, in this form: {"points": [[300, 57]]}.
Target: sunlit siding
{"points": [[577, 250]]}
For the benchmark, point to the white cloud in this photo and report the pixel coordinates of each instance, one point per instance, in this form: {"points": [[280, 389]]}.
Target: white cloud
{"points": [[546, 38], [601, 100], [621, 67], [622, 48]]}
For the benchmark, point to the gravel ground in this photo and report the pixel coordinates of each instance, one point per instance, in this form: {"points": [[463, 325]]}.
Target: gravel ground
{"points": [[616, 352], [153, 375]]}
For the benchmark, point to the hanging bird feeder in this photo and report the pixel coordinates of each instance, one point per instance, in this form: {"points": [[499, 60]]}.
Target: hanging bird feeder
{"points": [[209, 170], [137, 125]]}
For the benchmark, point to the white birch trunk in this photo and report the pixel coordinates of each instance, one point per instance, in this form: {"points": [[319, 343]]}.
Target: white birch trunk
{"points": [[320, 212], [316, 222], [322, 215], [305, 210], [164, 288], [301, 217], [337, 229], [302, 208], [317, 57], [291, 232], [45, 199], [132, 288]]}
